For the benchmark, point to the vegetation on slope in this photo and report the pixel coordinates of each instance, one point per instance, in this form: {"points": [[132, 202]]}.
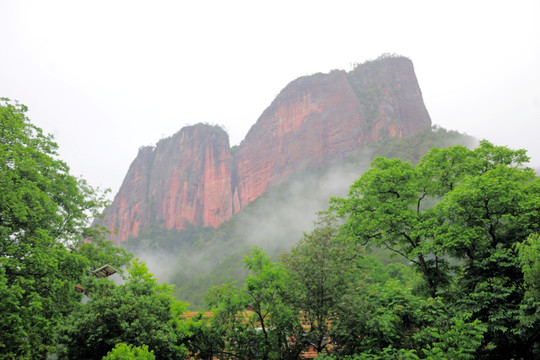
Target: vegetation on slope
{"points": [[43, 215], [465, 223], [196, 259]]}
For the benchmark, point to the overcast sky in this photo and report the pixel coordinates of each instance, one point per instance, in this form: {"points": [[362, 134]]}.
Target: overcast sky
{"points": [[106, 77]]}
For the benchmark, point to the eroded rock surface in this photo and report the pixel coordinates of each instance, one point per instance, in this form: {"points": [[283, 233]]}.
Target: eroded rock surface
{"points": [[316, 120]]}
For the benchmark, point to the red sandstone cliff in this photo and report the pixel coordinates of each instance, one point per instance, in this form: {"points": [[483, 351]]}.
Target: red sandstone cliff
{"points": [[322, 118], [184, 179], [316, 120]]}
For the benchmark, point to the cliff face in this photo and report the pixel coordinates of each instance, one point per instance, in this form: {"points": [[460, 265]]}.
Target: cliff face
{"points": [[322, 118], [184, 179], [313, 121], [390, 97], [316, 120], [129, 208]]}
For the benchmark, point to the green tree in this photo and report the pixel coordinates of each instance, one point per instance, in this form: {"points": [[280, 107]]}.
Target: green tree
{"points": [[322, 270], [529, 256], [393, 323], [138, 312], [43, 214], [124, 351], [389, 322], [202, 339], [254, 321], [379, 317], [456, 217], [385, 209], [454, 338], [485, 217]]}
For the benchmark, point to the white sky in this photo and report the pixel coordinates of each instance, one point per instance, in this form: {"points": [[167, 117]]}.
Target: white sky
{"points": [[106, 77]]}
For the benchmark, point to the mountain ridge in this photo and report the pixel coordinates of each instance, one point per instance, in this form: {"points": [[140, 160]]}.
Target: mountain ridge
{"points": [[193, 177], [197, 258]]}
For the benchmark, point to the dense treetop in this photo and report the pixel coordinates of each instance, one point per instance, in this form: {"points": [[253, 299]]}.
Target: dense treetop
{"points": [[462, 224]]}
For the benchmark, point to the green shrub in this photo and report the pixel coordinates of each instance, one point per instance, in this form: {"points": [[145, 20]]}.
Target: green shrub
{"points": [[124, 351]]}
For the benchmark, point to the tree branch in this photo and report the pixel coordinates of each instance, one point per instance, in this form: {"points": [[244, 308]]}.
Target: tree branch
{"points": [[400, 253]]}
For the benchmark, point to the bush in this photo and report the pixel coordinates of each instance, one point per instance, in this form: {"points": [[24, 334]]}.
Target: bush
{"points": [[124, 351]]}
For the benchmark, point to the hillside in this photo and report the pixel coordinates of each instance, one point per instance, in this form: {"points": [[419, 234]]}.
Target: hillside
{"points": [[195, 259]]}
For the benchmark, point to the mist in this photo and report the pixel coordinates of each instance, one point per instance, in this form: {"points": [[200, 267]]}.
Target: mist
{"points": [[276, 221], [196, 259]]}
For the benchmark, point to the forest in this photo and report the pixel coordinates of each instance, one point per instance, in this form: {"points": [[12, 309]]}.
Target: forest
{"points": [[463, 283]]}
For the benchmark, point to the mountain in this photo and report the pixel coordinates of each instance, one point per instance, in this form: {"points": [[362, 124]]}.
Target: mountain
{"points": [[184, 179], [195, 259], [195, 178]]}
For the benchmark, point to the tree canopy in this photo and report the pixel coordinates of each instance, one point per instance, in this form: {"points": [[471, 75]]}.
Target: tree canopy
{"points": [[44, 212], [140, 312], [44, 217], [466, 221], [456, 217], [463, 223], [124, 351]]}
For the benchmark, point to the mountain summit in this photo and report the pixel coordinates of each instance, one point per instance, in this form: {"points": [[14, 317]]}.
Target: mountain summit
{"points": [[193, 177]]}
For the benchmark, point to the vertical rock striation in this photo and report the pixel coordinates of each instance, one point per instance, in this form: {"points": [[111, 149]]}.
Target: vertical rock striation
{"points": [[314, 121], [322, 118], [129, 208], [184, 179]]}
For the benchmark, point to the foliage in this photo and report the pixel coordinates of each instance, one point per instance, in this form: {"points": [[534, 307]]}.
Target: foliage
{"points": [[253, 320], [529, 256], [203, 340], [322, 271], [466, 220], [43, 214], [459, 340], [124, 351], [201, 258], [385, 209], [456, 217], [392, 323], [138, 312], [385, 315]]}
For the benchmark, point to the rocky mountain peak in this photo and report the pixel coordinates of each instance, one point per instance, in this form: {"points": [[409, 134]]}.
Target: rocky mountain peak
{"points": [[315, 121]]}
